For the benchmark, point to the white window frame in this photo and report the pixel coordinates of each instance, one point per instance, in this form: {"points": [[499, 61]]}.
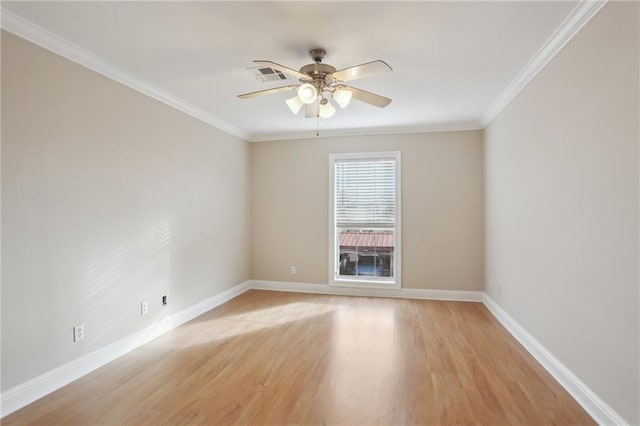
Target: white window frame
{"points": [[334, 279]]}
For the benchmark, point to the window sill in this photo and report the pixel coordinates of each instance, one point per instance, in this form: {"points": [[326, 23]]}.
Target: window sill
{"points": [[365, 284]]}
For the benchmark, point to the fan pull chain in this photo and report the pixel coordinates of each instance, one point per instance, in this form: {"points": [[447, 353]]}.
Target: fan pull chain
{"points": [[318, 121]]}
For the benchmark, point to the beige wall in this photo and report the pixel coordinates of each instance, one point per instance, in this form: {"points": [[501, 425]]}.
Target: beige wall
{"points": [[109, 198], [442, 207], [562, 207]]}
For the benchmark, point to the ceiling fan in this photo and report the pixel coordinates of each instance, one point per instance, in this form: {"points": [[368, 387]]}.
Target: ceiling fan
{"points": [[319, 81]]}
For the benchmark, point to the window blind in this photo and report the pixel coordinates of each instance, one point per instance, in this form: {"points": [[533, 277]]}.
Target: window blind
{"points": [[365, 192]]}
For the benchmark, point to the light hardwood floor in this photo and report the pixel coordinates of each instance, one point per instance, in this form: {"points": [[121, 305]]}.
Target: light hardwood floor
{"points": [[287, 358]]}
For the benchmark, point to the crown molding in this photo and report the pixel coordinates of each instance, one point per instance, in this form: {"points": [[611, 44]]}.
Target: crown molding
{"points": [[23, 28], [579, 16], [311, 134]]}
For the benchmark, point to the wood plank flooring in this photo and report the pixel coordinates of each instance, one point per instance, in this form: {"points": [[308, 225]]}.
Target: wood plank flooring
{"points": [[286, 358]]}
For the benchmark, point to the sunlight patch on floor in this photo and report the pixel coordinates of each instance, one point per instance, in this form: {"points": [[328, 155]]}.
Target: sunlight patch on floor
{"points": [[201, 332]]}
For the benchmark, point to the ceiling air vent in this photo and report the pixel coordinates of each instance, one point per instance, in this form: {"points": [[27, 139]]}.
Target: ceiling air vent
{"points": [[266, 74]]}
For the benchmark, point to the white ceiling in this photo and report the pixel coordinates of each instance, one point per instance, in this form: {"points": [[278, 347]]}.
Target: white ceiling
{"points": [[451, 60]]}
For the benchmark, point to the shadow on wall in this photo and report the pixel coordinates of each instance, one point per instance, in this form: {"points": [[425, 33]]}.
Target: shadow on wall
{"points": [[116, 283]]}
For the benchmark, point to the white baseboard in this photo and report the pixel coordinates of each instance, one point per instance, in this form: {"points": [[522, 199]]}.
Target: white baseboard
{"points": [[592, 403], [34, 389], [404, 293]]}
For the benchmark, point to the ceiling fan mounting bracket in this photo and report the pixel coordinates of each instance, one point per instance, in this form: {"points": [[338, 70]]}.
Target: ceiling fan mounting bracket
{"points": [[318, 71], [317, 54]]}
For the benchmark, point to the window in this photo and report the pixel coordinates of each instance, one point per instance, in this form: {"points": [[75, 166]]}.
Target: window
{"points": [[364, 219]]}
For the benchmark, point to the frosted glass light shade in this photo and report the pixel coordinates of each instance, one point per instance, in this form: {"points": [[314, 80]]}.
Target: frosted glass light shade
{"points": [[294, 104], [342, 96], [307, 93], [327, 110]]}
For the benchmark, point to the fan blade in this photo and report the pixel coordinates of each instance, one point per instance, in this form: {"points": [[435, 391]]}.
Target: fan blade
{"points": [[283, 69], [361, 71], [312, 110], [268, 91], [368, 97]]}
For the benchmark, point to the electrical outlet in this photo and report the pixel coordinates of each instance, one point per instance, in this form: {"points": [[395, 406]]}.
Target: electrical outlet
{"points": [[144, 308], [293, 270], [78, 332], [164, 301]]}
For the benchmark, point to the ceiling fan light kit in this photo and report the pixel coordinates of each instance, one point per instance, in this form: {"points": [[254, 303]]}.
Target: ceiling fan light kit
{"points": [[342, 96], [295, 104], [318, 81], [326, 110], [307, 93]]}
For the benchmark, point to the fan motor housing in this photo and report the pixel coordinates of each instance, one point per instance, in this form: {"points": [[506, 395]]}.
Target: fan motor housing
{"points": [[317, 70]]}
